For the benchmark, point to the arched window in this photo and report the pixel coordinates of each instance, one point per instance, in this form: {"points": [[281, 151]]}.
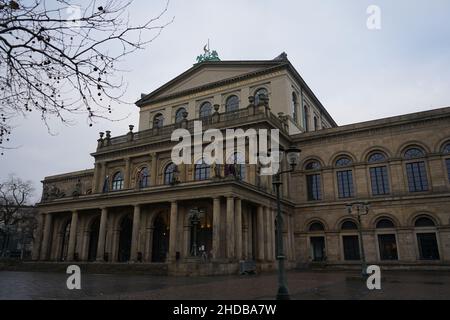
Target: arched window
{"points": [[158, 121], [350, 242], [414, 153], [294, 104], [424, 222], [343, 162], [316, 226], [305, 118], [344, 178], [205, 110], [261, 92], [426, 239], [376, 157], [378, 175], [316, 124], [446, 151], [387, 242], [385, 224], [179, 115], [143, 178], [117, 182], [232, 104], [236, 162], [313, 181], [169, 173], [416, 170], [202, 170], [349, 225]]}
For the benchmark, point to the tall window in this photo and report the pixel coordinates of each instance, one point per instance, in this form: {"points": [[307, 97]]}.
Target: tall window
{"points": [[426, 239], [446, 152], [232, 104], [169, 173], [344, 178], [313, 181], [117, 183], [350, 242], [205, 110], [294, 107], [202, 170], [305, 118], [416, 170], [239, 164], [316, 124], [179, 115], [158, 121], [387, 242], [260, 92], [143, 178], [378, 174]]}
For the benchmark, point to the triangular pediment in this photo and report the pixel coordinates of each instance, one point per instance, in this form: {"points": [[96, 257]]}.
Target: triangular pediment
{"points": [[205, 74]]}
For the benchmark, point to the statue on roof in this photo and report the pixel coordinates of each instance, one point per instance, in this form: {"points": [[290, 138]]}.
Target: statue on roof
{"points": [[208, 55]]}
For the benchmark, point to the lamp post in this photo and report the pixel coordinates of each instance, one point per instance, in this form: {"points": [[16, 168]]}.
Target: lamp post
{"points": [[293, 157], [361, 208], [194, 217]]}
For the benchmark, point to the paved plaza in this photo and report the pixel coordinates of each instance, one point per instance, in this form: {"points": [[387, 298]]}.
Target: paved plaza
{"points": [[302, 285]]}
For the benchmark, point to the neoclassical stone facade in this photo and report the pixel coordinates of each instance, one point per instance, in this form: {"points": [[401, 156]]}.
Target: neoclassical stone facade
{"points": [[136, 206]]}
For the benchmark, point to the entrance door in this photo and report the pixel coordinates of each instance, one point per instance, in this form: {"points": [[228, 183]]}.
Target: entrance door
{"points": [[160, 240], [428, 247], [126, 229], [351, 247], [93, 239], [65, 242], [318, 248]]}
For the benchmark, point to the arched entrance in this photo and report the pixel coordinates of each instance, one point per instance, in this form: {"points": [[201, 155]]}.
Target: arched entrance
{"points": [[93, 239], [160, 239], [126, 229], [65, 241]]}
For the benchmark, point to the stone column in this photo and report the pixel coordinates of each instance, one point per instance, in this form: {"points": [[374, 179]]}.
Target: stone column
{"points": [[230, 227], [47, 236], [102, 235], [250, 234], [95, 180], [135, 232], [102, 177], [72, 236], [153, 170], [126, 177], [238, 226], [260, 233], [173, 230], [38, 237], [268, 233], [216, 228]]}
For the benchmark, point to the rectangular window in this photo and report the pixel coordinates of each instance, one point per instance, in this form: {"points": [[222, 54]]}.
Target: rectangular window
{"points": [[447, 162], [345, 184], [417, 176], [388, 247], [314, 187], [379, 180], [351, 247], [428, 246]]}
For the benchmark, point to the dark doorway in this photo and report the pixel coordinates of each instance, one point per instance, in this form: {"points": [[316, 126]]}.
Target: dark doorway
{"points": [[93, 239], [160, 240], [65, 242], [388, 247], [126, 229], [351, 247], [318, 248], [428, 246]]}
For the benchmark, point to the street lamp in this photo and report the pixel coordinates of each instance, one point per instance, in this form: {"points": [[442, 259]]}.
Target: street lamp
{"points": [[362, 208], [194, 217], [293, 158]]}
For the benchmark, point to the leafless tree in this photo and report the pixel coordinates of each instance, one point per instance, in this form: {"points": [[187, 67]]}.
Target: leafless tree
{"points": [[60, 57], [14, 195]]}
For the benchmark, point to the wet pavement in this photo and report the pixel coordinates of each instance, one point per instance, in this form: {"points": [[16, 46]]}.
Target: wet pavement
{"points": [[310, 285]]}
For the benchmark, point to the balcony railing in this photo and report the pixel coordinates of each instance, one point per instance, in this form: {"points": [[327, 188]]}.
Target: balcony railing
{"points": [[216, 120]]}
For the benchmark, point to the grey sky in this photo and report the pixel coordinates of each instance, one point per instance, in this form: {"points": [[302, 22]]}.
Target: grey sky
{"points": [[358, 74]]}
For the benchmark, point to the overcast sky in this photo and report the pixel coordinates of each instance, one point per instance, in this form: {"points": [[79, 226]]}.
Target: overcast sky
{"points": [[357, 73]]}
